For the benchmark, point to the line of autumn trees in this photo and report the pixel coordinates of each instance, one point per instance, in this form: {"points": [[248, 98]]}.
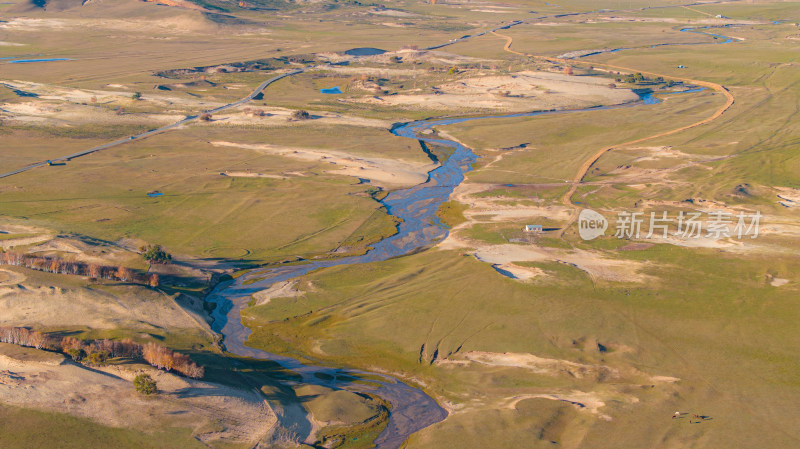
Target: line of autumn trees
{"points": [[61, 266], [97, 352]]}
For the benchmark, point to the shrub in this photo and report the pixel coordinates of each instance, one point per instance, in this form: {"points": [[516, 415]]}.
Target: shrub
{"points": [[145, 384], [155, 254], [76, 354], [300, 115], [97, 358], [136, 96]]}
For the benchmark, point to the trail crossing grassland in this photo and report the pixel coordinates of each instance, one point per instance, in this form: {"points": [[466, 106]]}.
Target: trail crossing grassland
{"points": [[244, 100], [184, 121], [583, 170]]}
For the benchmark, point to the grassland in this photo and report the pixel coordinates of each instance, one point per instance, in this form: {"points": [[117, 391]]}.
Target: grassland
{"points": [[662, 329], [23, 428], [566, 356], [569, 141], [424, 315], [201, 214]]}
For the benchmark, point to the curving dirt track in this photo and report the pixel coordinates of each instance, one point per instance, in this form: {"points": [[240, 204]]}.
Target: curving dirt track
{"points": [[584, 168]]}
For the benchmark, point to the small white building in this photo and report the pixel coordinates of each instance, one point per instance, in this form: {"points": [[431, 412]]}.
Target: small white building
{"points": [[533, 228]]}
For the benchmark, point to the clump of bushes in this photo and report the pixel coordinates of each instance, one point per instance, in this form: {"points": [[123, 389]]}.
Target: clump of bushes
{"points": [[155, 254], [145, 384], [300, 115], [633, 78]]}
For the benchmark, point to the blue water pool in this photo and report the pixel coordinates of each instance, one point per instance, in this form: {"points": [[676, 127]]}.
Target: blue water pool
{"points": [[25, 61], [365, 51]]}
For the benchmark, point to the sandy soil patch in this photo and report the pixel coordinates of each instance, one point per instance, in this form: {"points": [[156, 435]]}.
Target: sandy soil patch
{"points": [[244, 174], [10, 243], [491, 209], [663, 152], [778, 282], [24, 232], [704, 21], [589, 402], [773, 281], [177, 24], [372, 71], [594, 264], [78, 250], [380, 171], [28, 24], [523, 91], [73, 95], [539, 365], [285, 289], [493, 11], [498, 213], [391, 13], [26, 303], [519, 272], [769, 225], [788, 197], [178, 4], [65, 113], [281, 117], [636, 246], [8, 277], [69, 388]]}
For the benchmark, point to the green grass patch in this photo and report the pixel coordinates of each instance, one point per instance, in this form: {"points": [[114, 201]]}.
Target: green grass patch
{"points": [[451, 213]]}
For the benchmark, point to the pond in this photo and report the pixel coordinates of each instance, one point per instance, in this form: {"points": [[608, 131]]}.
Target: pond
{"points": [[331, 90], [25, 61], [365, 51]]}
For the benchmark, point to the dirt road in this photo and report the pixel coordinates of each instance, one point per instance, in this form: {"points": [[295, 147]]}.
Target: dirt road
{"points": [[577, 180]]}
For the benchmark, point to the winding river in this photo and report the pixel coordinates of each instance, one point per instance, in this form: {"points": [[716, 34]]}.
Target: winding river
{"points": [[412, 409]]}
